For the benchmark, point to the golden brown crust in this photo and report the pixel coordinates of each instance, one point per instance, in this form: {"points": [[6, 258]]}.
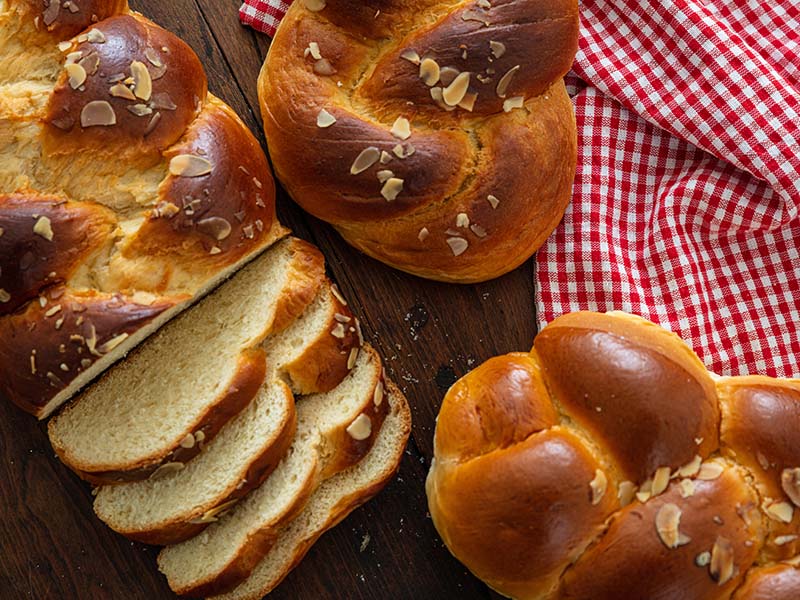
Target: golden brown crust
{"points": [[525, 157], [175, 96], [634, 411], [634, 387], [306, 279], [66, 21], [61, 335], [508, 492], [778, 582], [43, 241], [725, 507]]}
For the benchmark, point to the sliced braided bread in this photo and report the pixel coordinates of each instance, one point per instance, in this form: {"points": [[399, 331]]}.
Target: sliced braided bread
{"points": [[191, 377], [609, 463], [335, 498], [334, 431], [126, 191], [170, 508]]}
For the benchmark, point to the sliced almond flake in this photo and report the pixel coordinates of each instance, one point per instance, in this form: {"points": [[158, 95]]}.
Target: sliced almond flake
{"points": [[497, 48], [151, 125], [352, 358], [455, 92], [50, 13], [64, 46], [4, 296], [188, 441], [478, 230], [342, 318], [423, 234], [140, 110], [213, 515], [73, 57], [493, 200], [95, 36], [120, 90], [457, 245], [468, 102], [462, 220], [411, 56], [386, 158], [90, 62], [401, 128], [52, 311], [784, 539], [43, 228], [702, 559], [33, 362], [162, 101], [505, 81], [484, 4], [215, 227], [512, 103], [142, 83], [189, 165], [98, 113], [392, 188], [63, 367], [642, 496], [314, 5], [686, 487], [668, 520], [781, 511], [626, 492], [338, 331], [710, 471], [313, 50], [367, 158], [152, 57], [692, 468], [166, 470], [113, 343], [324, 67], [438, 97], [429, 72], [470, 15], [790, 482], [76, 75], [215, 250], [325, 119], [721, 565], [377, 395], [598, 486], [660, 481], [409, 150], [447, 75], [361, 428], [384, 176]]}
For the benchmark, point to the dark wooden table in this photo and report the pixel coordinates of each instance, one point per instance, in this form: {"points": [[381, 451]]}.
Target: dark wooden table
{"points": [[429, 334]]}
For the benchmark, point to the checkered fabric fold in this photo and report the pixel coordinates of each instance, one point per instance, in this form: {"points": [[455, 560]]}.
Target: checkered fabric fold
{"points": [[686, 207]]}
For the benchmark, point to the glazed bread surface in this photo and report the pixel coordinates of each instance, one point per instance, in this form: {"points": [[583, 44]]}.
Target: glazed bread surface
{"points": [[437, 137], [126, 191], [608, 463]]}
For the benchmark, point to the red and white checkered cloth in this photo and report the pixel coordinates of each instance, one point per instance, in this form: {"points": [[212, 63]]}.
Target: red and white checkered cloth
{"points": [[686, 207]]}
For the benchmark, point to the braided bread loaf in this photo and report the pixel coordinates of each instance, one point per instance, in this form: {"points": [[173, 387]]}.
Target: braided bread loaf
{"points": [[437, 137], [125, 190], [608, 463]]}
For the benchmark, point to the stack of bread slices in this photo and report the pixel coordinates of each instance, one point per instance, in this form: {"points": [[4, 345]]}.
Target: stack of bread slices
{"points": [[240, 431]]}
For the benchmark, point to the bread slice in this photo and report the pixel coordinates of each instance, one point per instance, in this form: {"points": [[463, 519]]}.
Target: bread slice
{"points": [[331, 502], [335, 430], [191, 377], [169, 509]]}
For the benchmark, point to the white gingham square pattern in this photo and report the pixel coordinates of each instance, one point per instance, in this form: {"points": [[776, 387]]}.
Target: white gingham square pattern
{"points": [[686, 206]]}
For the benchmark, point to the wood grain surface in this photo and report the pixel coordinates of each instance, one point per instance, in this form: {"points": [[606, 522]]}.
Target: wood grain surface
{"points": [[429, 334]]}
